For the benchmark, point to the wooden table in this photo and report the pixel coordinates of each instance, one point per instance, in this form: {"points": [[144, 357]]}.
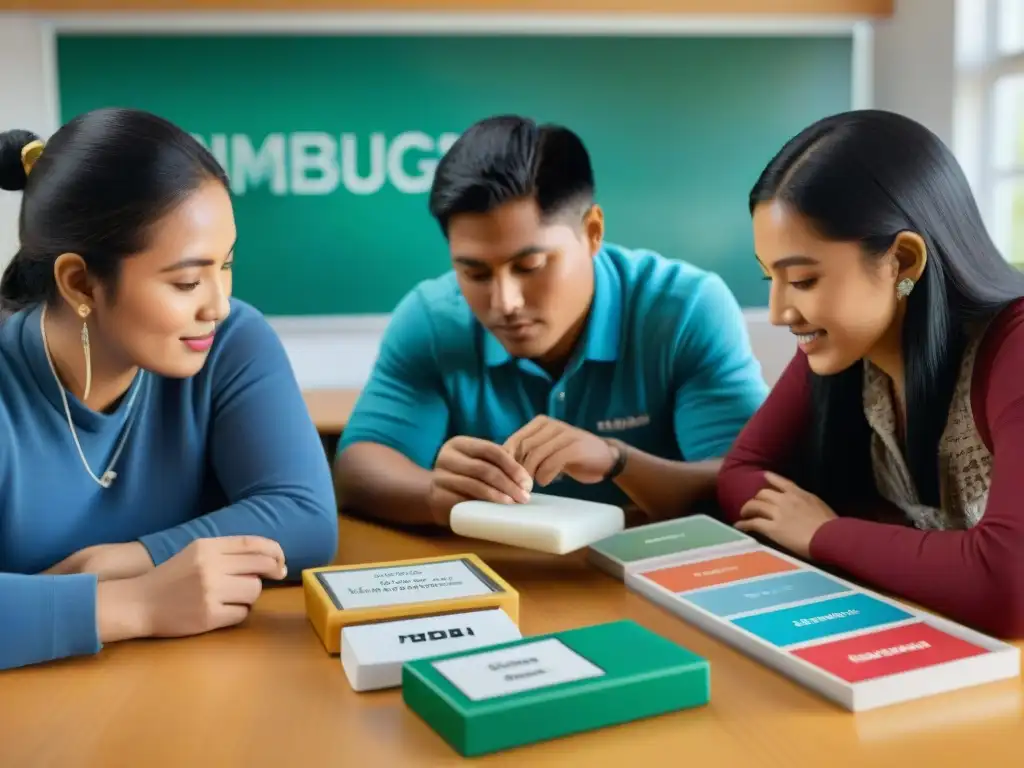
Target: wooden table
{"points": [[330, 408], [266, 694]]}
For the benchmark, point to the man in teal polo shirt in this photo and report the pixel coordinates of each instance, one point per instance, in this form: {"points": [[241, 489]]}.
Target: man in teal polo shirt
{"points": [[547, 360]]}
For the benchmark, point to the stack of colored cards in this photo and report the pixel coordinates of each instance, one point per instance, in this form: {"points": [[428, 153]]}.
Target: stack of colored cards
{"points": [[553, 685], [380, 615], [850, 644]]}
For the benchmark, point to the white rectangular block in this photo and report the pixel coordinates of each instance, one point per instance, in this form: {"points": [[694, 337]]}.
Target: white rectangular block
{"points": [[372, 655], [545, 523]]}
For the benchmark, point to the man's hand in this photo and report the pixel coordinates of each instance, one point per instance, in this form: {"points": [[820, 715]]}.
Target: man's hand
{"points": [[468, 468], [786, 514], [107, 561], [547, 448]]}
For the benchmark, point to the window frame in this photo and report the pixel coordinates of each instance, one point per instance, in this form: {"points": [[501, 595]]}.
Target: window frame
{"points": [[981, 66]]}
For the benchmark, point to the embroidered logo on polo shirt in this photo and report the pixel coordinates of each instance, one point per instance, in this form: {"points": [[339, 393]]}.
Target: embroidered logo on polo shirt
{"points": [[624, 423]]}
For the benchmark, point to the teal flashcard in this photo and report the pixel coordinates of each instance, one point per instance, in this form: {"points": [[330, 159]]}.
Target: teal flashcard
{"points": [[813, 621], [548, 686], [767, 592]]}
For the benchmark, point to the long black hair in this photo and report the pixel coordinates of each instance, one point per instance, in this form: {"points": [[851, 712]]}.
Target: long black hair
{"points": [[865, 176], [100, 184]]}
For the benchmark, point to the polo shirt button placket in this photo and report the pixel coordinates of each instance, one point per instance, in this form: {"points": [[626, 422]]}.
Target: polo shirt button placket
{"points": [[557, 408]]}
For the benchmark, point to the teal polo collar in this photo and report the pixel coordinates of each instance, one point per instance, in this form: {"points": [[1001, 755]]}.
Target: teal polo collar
{"points": [[603, 332]]}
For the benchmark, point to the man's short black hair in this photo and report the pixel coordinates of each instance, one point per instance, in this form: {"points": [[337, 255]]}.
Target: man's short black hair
{"points": [[507, 158]]}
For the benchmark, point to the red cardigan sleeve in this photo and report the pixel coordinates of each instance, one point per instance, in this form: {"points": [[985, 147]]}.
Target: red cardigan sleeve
{"points": [[770, 441], [975, 576]]}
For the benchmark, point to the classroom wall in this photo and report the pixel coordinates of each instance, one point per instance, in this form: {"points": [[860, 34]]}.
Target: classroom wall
{"points": [[909, 69], [717, 7]]}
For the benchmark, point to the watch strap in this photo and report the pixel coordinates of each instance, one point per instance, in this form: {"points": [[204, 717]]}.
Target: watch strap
{"points": [[620, 460]]}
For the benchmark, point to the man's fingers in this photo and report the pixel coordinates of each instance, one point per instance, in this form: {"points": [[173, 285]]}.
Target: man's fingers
{"points": [[529, 445], [544, 456], [552, 465], [489, 474], [471, 488], [530, 428], [494, 454], [517, 445]]}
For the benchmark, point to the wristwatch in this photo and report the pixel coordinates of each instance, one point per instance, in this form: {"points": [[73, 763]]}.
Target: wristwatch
{"points": [[620, 459]]}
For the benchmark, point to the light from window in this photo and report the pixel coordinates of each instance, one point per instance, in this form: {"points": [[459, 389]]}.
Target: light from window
{"points": [[1008, 166], [1008, 103], [1008, 218], [1011, 26]]}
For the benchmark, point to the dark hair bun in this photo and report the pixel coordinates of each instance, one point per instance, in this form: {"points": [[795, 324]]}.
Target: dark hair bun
{"points": [[12, 172]]}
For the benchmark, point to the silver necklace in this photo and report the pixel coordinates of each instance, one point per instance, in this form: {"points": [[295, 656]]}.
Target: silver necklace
{"points": [[107, 478]]}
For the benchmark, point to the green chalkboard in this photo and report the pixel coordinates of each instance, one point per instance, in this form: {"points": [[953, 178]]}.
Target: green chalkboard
{"points": [[331, 141]]}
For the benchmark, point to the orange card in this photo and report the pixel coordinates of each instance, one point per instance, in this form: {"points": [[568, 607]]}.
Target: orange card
{"points": [[720, 570]]}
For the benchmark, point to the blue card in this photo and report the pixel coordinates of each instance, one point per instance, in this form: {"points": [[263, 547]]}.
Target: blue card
{"points": [[787, 626], [763, 593]]}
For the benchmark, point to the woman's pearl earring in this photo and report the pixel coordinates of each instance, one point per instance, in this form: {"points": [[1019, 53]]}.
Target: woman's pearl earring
{"points": [[904, 287]]}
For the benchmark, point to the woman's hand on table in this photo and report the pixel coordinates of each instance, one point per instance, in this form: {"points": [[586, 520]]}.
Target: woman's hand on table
{"points": [[786, 514], [210, 584]]}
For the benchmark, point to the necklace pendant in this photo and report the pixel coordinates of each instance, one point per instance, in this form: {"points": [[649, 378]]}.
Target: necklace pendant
{"points": [[108, 478]]}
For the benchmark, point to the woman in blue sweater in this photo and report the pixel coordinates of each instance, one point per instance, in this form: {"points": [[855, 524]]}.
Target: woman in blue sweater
{"points": [[157, 461]]}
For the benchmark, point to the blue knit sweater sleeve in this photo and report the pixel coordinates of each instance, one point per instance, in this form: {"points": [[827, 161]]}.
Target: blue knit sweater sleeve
{"points": [[46, 618], [266, 454]]}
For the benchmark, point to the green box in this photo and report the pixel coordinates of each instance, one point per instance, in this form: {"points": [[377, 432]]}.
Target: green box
{"points": [[546, 686]]}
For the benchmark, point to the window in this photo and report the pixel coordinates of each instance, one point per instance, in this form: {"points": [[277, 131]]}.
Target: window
{"points": [[1008, 165], [1010, 26], [989, 137]]}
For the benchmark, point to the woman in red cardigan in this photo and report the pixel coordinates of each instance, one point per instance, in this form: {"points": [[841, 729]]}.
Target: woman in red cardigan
{"points": [[892, 447]]}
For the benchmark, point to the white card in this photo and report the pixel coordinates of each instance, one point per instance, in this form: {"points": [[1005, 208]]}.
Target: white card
{"points": [[406, 639], [372, 654], [526, 667], [400, 584]]}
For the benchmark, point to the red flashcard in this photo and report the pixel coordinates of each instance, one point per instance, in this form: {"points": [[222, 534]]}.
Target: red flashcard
{"points": [[888, 652]]}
